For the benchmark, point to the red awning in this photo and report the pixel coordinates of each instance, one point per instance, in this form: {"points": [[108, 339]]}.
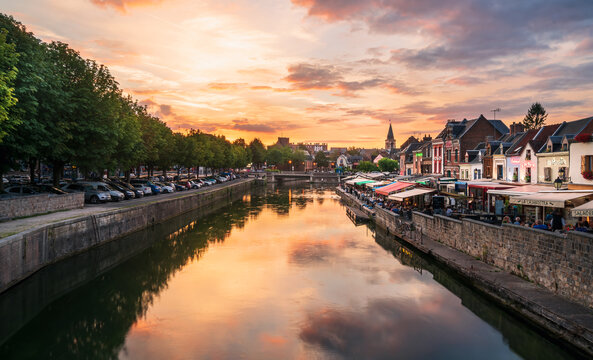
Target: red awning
{"points": [[386, 190], [489, 186]]}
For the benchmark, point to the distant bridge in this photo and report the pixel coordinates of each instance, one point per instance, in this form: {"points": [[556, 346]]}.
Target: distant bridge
{"points": [[313, 177]]}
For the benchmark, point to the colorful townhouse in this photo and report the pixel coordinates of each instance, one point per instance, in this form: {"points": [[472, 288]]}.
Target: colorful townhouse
{"points": [[553, 158]]}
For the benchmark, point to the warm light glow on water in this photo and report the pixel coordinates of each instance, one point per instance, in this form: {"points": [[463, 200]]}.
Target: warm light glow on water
{"points": [[280, 275]]}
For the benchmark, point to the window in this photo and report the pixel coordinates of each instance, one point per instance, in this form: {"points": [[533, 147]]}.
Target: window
{"points": [[456, 155], [499, 172], [548, 174], [586, 163], [528, 155], [448, 155]]}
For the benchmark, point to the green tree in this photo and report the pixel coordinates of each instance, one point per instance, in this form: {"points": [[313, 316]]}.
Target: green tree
{"points": [[274, 156], [8, 72], [31, 132], [258, 153], [536, 117], [387, 164], [367, 166], [321, 159]]}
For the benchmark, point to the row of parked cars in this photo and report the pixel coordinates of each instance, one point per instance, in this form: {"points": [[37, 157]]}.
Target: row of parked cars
{"points": [[116, 189]]}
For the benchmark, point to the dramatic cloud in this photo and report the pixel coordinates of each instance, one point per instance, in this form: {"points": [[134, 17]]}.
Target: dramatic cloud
{"points": [[244, 125], [561, 77], [336, 68], [465, 33], [308, 76], [326, 77]]}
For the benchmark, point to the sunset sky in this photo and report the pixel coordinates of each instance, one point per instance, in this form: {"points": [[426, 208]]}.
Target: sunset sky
{"points": [[332, 70]]}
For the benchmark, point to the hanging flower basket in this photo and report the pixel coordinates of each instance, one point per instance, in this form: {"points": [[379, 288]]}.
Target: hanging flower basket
{"points": [[584, 138], [588, 175]]}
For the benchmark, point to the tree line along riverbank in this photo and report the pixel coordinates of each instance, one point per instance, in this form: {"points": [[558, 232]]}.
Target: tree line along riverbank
{"points": [[60, 108]]}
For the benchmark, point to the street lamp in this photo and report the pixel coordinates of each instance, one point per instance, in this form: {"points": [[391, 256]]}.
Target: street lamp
{"points": [[558, 183]]}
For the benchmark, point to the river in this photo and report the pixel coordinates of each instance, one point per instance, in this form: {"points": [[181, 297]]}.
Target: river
{"points": [[278, 274]]}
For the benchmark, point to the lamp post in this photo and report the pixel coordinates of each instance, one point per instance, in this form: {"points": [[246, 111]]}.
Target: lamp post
{"points": [[558, 183], [290, 165]]}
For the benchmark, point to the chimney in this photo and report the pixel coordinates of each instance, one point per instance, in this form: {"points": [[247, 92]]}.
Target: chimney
{"points": [[517, 128]]}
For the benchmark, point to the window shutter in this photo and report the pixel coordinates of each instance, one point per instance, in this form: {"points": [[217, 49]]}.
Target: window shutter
{"points": [[583, 164]]}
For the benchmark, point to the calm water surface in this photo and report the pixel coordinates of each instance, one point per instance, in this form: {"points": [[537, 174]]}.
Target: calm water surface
{"points": [[282, 274]]}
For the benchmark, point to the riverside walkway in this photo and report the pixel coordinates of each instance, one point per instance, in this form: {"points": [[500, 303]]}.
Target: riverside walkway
{"points": [[13, 227]]}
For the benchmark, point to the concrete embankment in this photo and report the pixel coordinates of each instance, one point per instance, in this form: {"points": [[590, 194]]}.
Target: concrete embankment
{"points": [[24, 301], [25, 253], [556, 315]]}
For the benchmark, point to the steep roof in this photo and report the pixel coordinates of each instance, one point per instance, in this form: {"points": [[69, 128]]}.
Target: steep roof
{"points": [[573, 127], [500, 126], [542, 136], [390, 133], [520, 144]]}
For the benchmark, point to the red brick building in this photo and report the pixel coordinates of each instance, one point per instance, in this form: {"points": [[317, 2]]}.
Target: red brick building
{"points": [[457, 137]]}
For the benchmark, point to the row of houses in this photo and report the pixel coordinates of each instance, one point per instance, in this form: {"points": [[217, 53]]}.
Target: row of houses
{"points": [[487, 149]]}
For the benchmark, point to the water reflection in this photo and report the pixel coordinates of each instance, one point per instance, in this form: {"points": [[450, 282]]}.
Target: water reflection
{"points": [[281, 273]]}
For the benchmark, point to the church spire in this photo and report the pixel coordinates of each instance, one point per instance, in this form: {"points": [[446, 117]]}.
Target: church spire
{"points": [[390, 141], [390, 132]]}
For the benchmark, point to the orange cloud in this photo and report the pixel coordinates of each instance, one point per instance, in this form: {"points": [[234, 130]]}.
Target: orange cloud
{"points": [[122, 5]]}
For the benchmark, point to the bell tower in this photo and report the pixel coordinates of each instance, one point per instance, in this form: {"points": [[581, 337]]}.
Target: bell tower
{"points": [[390, 141]]}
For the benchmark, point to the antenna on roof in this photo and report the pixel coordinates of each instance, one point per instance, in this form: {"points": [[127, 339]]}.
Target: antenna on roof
{"points": [[494, 112]]}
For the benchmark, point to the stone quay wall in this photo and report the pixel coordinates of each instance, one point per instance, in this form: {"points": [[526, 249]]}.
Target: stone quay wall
{"points": [[39, 204], [25, 253], [562, 263]]}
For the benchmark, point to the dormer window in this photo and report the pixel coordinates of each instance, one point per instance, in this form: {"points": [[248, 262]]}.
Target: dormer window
{"points": [[528, 155]]}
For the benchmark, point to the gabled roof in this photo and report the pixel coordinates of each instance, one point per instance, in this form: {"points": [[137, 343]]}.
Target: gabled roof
{"points": [[573, 127], [500, 126], [520, 144], [472, 155], [413, 146], [505, 147], [542, 136]]}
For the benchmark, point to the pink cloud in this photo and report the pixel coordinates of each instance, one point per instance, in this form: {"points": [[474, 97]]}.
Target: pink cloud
{"points": [[123, 5]]}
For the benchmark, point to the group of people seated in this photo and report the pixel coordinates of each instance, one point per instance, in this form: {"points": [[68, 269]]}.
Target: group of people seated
{"points": [[552, 222]]}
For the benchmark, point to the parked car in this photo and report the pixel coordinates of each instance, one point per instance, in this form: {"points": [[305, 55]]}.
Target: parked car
{"points": [[209, 181], [153, 187], [185, 184], [179, 187], [115, 195], [128, 194], [165, 188], [20, 190], [91, 194], [138, 193], [146, 190], [194, 184]]}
